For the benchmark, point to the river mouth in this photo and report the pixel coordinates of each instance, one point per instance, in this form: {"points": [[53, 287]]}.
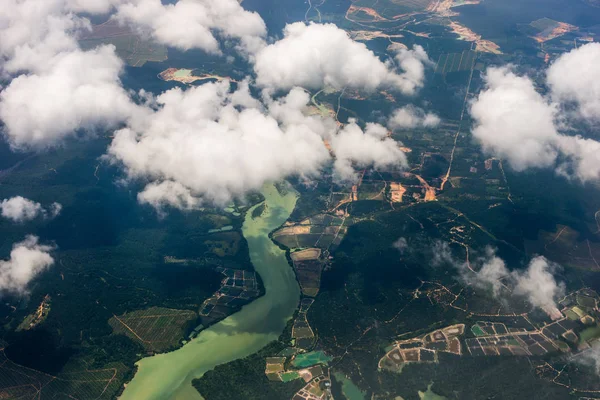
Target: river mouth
{"points": [[170, 375]]}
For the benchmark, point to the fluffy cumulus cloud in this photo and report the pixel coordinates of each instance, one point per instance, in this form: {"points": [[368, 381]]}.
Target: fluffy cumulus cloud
{"points": [[412, 117], [589, 358], [514, 121], [318, 55], [354, 147], [206, 143], [441, 254], [57, 90], [73, 93], [210, 143], [412, 64], [27, 259], [490, 273], [20, 209], [536, 283], [199, 139], [33, 31], [189, 24], [49, 25], [575, 78], [401, 245]]}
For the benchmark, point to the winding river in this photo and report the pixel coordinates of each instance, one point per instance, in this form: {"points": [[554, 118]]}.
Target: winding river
{"points": [[170, 375]]}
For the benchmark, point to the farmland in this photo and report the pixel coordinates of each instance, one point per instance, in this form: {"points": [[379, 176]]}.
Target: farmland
{"points": [[134, 50], [18, 382], [156, 328]]}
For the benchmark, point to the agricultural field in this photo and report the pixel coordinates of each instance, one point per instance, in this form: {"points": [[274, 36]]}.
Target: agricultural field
{"points": [[134, 50], [157, 329], [566, 246], [316, 389], [302, 333], [321, 231], [386, 10], [18, 382], [308, 266], [424, 348], [545, 29], [455, 62], [238, 287]]}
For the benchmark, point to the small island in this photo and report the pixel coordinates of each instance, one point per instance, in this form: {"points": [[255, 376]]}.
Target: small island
{"points": [[186, 76]]}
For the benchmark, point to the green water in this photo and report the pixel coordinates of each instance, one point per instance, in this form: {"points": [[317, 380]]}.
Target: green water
{"points": [[309, 359], [183, 73], [223, 229], [430, 395], [169, 375], [350, 390]]}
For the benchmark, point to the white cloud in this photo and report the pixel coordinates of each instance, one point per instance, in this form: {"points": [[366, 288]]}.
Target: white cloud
{"points": [[199, 143], [27, 259], [205, 143], [575, 78], [513, 121], [32, 32], [412, 63], [208, 143], [490, 272], [441, 254], [20, 209], [92, 6], [54, 210], [49, 26], [58, 90], [536, 283], [190, 24], [401, 244], [412, 117], [318, 55], [589, 357], [168, 193], [75, 92], [354, 147]]}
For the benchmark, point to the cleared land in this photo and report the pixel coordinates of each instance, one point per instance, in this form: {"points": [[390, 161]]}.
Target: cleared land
{"points": [[238, 287], [320, 231], [187, 76], [548, 29], [18, 382], [308, 268], [455, 62], [423, 348], [301, 330], [156, 328]]}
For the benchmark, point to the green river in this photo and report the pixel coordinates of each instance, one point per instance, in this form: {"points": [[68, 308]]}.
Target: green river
{"points": [[169, 375]]}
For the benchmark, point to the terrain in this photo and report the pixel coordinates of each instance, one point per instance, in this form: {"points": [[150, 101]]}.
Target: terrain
{"points": [[361, 309]]}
